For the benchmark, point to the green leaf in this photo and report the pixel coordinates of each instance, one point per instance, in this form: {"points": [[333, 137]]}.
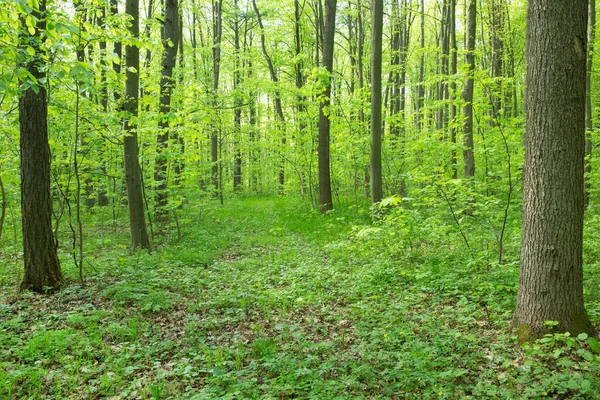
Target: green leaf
{"points": [[594, 345], [582, 336], [30, 51]]}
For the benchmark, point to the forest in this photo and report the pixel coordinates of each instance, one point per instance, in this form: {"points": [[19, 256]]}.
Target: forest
{"points": [[299, 199]]}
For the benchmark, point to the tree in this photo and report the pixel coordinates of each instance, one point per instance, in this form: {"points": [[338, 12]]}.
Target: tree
{"points": [[133, 176], [468, 153], [325, 199], [591, 36], [275, 79], [376, 44], [42, 267], [170, 38], [551, 276]]}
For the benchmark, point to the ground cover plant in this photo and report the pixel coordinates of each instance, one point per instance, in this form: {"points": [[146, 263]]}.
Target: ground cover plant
{"points": [[264, 298]]}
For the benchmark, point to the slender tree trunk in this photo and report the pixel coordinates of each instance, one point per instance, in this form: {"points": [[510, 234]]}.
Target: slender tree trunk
{"points": [[421, 87], [276, 95], [179, 165], [468, 153], [497, 62], [376, 45], [170, 37], [3, 206], [551, 276], [102, 190], [237, 112], [42, 267], [133, 178], [325, 199], [217, 15], [453, 71], [591, 36]]}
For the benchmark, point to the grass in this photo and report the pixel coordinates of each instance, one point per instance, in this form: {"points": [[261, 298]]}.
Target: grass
{"points": [[265, 299]]}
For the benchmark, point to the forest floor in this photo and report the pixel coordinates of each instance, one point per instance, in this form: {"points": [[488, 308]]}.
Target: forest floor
{"points": [[265, 299]]}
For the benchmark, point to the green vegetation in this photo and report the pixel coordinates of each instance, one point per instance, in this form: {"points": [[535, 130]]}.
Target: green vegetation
{"points": [[264, 298]]}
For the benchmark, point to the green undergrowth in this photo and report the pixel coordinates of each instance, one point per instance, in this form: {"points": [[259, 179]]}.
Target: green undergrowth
{"points": [[263, 298]]}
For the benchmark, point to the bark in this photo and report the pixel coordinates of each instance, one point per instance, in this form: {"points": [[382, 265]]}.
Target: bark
{"points": [[3, 206], [468, 153], [420, 86], [551, 275], [276, 95], [217, 16], [497, 62], [170, 38], [133, 178], [376, 45], [102, 190], [325, 198], [179, 164], [117, 49], [237, 112], [453, 71], [42, 267], [591, 36], [442, 94]]}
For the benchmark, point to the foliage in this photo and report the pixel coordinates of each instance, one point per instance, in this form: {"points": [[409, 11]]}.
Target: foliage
{"points": [[264, 298]]}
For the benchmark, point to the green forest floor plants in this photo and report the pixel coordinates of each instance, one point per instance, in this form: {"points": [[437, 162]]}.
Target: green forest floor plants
{"points": [[266, 299]]}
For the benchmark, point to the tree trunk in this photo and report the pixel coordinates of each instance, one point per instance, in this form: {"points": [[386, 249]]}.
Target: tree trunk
{"points": [[551, 276], [325, 199], [277, 96], [591, 36], [133, 178], [217, 16], [468, 153], [237, 112], [170, 45], [376, 44], [42, 267], [453, 71], [421, 87]]}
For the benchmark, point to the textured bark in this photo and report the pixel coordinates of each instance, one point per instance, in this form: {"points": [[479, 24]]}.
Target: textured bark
{"points": [[133, 178], [276, 95], [42, 267], [325, 198], [468, 153], [591, 35], [170, 39], [376, 45], [551, 276]]}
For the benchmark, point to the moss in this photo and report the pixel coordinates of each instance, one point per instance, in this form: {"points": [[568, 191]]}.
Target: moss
{"points": [[581, 324], [524, 333]]}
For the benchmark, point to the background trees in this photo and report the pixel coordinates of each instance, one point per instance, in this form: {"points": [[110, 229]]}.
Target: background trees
{"points": [[276, 97]]}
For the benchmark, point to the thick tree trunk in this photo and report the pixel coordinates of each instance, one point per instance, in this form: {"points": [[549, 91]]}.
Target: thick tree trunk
{"points": [[468, 153], [170, 39], [591, 36], [325, 198], [376, 45], [133, 178], [551, 277], [42, 267]]}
